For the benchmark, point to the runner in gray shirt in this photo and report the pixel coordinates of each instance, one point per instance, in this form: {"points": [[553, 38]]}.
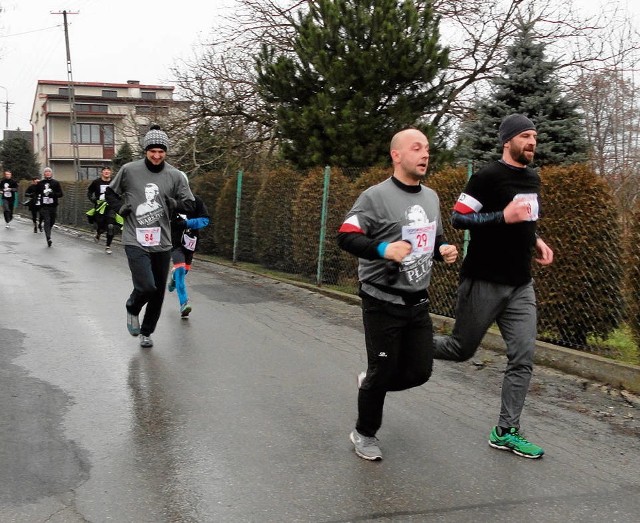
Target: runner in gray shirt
{"points": [[148, 192], [395, 230]]}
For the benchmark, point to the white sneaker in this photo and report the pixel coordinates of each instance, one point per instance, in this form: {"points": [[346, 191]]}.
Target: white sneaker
{"points": [[146, 341], [107, 250]]}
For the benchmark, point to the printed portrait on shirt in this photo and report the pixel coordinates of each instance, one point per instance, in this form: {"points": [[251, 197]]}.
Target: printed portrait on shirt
{"points": [[421, 234], [151, 210]]}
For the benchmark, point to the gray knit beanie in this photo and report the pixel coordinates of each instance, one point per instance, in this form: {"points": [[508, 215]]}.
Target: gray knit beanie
{"points": [[155, 138], [513, 125]]}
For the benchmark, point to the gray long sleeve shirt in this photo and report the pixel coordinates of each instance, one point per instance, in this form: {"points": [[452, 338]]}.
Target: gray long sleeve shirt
{"points": [[389, 212], [148, 224]]}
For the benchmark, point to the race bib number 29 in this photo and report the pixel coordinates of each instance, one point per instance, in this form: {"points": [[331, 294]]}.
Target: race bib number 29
{"points": [[148, 236], [422, 239]]}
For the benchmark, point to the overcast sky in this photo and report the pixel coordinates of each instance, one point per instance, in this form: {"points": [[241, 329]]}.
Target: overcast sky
{"points": [[111, 41]]}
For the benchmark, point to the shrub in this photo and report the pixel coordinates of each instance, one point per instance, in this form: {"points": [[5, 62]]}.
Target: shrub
{"points": [[580, 293], [225, 213], [448, 183], [307, 211], [208, 187], [632, 260], [273, 228]]}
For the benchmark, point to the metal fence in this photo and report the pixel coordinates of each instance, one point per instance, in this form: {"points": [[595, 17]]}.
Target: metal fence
{"points": [[287, 221]]}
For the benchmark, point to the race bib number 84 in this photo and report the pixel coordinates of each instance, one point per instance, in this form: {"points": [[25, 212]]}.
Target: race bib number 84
{"points": [[148, 236]]}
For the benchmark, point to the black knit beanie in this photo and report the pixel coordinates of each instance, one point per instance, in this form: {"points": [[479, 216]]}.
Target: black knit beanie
{"points": [[513, 125]]}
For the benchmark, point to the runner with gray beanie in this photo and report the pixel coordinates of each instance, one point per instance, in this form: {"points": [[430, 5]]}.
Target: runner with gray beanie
{"points": [[500, 207], [148, 192]]}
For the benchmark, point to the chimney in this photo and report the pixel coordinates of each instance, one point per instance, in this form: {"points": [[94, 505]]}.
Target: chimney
{"points": [[133, 82]]}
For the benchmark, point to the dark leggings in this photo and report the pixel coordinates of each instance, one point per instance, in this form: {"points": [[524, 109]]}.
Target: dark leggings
{"points": [[35, 211], [48, 215], [7, 206], [106, 223], [399, 342], [149, 272]]}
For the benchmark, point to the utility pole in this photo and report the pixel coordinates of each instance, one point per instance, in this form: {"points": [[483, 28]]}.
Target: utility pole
{"points": [[72, 97], [6, 104]]}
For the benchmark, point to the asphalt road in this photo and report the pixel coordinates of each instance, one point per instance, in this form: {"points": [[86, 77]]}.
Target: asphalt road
{"points": [[242, 413]]}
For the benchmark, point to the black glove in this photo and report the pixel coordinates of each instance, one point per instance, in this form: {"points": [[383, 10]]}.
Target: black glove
{"points": [[393, 271], [171, 203], [125, 210], [180, 222]]}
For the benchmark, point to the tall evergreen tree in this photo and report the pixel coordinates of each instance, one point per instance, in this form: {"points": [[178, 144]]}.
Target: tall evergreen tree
{"points": [[124, 154], [16, 156], [360, 71], [528, 85]]}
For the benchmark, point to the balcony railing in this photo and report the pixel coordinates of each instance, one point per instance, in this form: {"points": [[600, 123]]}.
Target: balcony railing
{"points": [[64, 151]]}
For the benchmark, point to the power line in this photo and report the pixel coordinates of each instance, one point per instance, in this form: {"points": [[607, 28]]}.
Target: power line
{"points": [[30, 32]]}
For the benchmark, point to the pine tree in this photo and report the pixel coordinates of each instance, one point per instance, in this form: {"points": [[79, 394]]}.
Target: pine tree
{"points": [[123, 155], [361, 70], [528, 85], [17, 157]]}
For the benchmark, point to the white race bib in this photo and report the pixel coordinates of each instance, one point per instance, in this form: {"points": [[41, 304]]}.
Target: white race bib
{"points": [[422, 239], [532, 200], [148, 236], [189, 242]]}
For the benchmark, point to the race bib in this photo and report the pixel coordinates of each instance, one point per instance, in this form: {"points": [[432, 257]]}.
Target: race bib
{"points": [[532, 201], [47, 200], [422, 239], [7, 194], [148, 236], [189, 242]]}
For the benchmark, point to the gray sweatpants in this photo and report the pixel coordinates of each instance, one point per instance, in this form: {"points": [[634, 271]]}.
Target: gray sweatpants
{"points": [[480, 303]]}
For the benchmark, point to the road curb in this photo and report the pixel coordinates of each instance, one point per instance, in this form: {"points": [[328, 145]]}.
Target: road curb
{"points": [[589, 366], [616, 374]]}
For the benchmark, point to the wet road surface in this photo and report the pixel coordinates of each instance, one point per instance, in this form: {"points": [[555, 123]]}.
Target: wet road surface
{"points": [[242, 413]]}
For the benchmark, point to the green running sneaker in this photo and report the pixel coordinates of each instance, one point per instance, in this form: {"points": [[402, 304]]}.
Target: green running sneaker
{"points": [[514, 442]]}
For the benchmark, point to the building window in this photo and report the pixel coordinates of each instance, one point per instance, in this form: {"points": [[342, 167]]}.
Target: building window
{"points": [[63, 91], [95, 134], [155, 110], [148, 95], [109, 93], [92, 108], [89, 172]]}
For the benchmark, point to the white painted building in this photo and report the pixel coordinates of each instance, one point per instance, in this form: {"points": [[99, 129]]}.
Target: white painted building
{"points": [[107, 115]]}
